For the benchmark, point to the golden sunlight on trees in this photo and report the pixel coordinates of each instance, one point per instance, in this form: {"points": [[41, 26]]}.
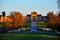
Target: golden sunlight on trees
{"points": [[8, 21], [51, 18], [17, 19]]}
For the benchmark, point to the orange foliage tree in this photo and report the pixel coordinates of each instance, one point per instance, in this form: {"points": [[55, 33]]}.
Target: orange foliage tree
{"points": [[8, 21], [17, 19], [51, 19]]}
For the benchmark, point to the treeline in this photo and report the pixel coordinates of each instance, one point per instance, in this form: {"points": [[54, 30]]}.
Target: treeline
{"points": [[14, 20]]}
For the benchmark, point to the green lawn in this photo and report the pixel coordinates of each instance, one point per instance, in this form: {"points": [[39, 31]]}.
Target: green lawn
{"points": [[28, 37], [41, 24]]}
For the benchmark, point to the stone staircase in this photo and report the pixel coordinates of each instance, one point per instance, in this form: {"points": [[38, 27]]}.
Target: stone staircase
{"points": [[33, 26]]}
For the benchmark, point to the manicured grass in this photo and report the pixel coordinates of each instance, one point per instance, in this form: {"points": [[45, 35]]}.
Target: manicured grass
{"points": [[28, 37], [41, 24]]}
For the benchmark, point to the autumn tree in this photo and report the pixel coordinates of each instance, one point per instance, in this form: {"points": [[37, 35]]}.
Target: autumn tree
{"points": [[17, 19], [58, 23], [51, 19], [8, 21]]}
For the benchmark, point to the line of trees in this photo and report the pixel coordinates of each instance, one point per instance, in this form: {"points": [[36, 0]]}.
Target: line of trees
{"points": [[17, 20], [14, 20]]}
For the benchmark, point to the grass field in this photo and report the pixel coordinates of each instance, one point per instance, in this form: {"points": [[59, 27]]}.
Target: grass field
{"points": [[28, 36]]}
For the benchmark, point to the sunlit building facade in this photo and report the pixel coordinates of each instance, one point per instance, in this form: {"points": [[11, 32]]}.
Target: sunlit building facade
{"points": [[35, 17]]}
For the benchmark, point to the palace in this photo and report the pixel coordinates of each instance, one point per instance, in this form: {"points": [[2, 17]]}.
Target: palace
{"points": [[34, 17]]}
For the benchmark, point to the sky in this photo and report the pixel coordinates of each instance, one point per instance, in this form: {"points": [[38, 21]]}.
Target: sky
{"points": [[28, 6]]}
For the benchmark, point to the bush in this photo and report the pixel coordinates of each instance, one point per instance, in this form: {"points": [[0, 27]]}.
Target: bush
{"points": [[2, 24], [41, 24], [27, 24]]}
